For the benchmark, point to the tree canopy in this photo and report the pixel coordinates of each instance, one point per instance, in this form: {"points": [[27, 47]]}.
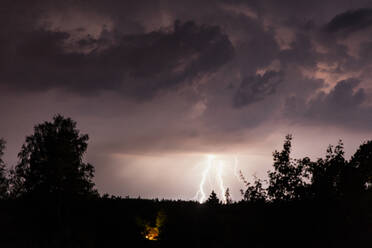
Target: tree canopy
{"points": [[213, 199], [3, 176], [332, 177], [51, 161], [287, 181]]}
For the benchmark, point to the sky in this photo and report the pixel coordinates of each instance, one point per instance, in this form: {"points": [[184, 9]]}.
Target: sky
{"points": [[164, 88]]}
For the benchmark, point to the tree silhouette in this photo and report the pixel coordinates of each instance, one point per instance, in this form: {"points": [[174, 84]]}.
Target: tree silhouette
{"points": [[254, 192], [213, 199], [287, 181], [326, 180], [228, 196], [51, 161], [357, 177], [3, 176]]}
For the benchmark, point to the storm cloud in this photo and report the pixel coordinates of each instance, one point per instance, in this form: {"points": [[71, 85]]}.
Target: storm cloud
{"points": [[137, 65], [350, 21], [256, 88], [152, 80], [345, 105]]}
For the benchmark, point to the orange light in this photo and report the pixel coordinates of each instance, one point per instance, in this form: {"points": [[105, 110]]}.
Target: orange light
{"points": [[152, 233]]}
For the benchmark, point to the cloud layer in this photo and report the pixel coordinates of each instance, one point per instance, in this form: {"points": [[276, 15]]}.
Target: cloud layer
{"points": [[161, 77]]}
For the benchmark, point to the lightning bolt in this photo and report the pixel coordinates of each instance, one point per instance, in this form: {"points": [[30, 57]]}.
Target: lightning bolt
{"points": [[217, 166], [213, 166], [220, 180], [204, 177]]}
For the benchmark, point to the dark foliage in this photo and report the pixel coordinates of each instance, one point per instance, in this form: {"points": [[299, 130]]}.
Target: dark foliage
{"points": [[116, 222], [255, 192], [51, 162], [287, 181], [3, 176], [213, 200], [327, 173], [358, 177], [228, 196], [326, 203]]}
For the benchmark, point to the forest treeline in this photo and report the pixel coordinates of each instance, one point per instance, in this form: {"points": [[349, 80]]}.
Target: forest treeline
{"points": [[48, 199]]}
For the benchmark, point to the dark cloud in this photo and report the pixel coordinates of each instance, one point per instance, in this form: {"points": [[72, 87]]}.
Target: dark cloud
{"points": [[343, 97], [256, 88], [301, 52], [255, 45], [344, 106], [350, 21], [365, 54], [138, 65]]}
